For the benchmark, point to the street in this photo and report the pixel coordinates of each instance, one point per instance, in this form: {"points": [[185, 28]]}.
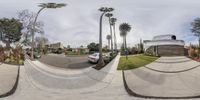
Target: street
{"points": [[72, 62]]}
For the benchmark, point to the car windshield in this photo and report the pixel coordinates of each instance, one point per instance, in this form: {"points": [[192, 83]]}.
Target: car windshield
{"points": [[95, 54]]}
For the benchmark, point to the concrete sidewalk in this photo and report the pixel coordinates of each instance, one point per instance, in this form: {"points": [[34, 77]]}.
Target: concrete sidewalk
{"points": [[114, 90], [8, 77], [165, 78], [62, 82]]}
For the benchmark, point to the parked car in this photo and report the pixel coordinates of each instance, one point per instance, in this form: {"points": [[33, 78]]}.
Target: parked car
{"points": [[35, 54], [94, 58]]}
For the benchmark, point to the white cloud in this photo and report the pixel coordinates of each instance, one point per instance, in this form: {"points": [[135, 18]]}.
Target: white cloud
{"points": [[78, 23]]}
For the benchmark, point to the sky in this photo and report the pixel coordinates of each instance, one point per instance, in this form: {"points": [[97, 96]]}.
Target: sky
{"points": [[78, 23]]}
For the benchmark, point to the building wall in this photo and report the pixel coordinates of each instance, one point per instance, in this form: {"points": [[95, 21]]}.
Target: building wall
{"points": [[171, 50], [167, 50]]}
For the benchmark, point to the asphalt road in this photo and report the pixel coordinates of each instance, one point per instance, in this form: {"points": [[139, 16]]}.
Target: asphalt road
{"points": [[74, 62]]}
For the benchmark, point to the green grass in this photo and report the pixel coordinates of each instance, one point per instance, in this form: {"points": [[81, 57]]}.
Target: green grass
{"points": [[135, 61]]}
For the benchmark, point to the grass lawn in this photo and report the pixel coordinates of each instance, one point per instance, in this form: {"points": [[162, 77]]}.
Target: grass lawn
{"points": [[135, 61]]}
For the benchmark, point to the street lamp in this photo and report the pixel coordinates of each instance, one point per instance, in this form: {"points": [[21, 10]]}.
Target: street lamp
{"points": [[43, 6], [101, 62]]}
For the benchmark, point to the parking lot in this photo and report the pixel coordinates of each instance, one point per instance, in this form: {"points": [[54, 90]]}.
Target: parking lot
{"points": [[68, 62]]}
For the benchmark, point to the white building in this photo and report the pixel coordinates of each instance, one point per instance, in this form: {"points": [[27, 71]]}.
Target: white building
{"points": [[164, 45]]}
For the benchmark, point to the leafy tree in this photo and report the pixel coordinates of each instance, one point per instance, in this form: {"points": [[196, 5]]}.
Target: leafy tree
{"points": [[27, 19], [40, 42], [69, 48], [93, 47], [196, 30], [10, 30]]}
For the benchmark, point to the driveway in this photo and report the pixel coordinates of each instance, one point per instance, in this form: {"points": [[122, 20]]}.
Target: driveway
{"points": [[69, 62], [167, 77]]}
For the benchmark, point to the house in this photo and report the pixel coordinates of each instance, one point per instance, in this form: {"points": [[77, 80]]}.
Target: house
{"points": [[54, 47], [165, 45]]}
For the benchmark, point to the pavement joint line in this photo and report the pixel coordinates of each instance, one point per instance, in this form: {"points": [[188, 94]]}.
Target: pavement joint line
{"points": [[186, 85], [52, 74], [72, 75], [86, 74], [30, 80], [134, 94], [45, 90], [13, 89], [175, 58], [161, 71], [173, 62]]}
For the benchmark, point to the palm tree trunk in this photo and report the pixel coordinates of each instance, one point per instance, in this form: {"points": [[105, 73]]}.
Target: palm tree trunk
{"points": [[124, 43], [108, 44], [199, 47], [111, 37], [115, 40], [101, 62], [126, 47]]}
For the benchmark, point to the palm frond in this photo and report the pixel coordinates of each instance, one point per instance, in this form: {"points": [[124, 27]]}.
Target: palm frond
{"points": [[108, 37], [125, 27], [113, 20], [109, 15], [51, 5]]}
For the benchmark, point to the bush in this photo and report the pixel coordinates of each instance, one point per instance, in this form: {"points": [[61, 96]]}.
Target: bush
{"points": [[192, 52]]}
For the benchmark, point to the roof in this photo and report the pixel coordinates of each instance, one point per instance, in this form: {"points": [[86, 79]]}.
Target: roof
{"points": [[164, 37]]}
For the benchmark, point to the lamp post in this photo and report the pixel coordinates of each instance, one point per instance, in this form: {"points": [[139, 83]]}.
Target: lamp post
{"points": [[43, 6], [101, 62]]}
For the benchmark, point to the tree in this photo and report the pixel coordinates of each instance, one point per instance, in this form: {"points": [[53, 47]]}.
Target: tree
{"points": [[93, 47], [108, 37], [10, 30], [141, 46], [124, 29], [27, 18], [69, 48], [33, 29], [109, 15], [196, 30], [101, 62], [113, 21], [40, 42]]}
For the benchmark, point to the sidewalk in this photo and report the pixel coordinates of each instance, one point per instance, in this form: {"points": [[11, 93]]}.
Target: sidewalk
{"points": [[8, 76], [165, 78]]}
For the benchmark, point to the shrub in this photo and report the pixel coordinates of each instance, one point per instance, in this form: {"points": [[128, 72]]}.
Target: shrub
{"points": [[192, 52]]}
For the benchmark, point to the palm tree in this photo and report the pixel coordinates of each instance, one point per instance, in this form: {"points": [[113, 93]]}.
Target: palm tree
{"points": [[43, 6], [108, 37], [113, 21], [104, 10], [196, 30], [124, 29], [109, 15]]}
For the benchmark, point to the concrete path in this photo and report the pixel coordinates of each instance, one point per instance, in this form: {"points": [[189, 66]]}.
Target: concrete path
{"points": [[113, 90], [167, 77], [8, 76]]}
